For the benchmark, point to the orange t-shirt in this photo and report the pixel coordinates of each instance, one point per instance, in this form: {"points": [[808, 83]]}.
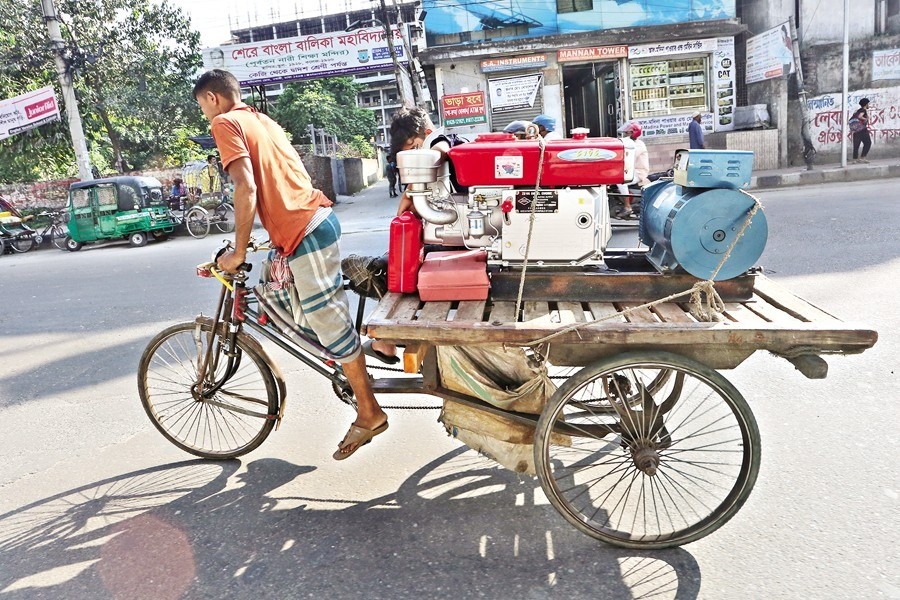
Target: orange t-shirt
{"points": [[285, 197]]}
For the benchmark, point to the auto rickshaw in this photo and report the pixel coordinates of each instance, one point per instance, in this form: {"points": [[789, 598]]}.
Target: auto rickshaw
{"points": [[131, 208]]}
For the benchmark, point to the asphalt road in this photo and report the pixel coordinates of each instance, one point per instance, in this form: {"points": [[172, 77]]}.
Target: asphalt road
{"points": [[94, 503]]}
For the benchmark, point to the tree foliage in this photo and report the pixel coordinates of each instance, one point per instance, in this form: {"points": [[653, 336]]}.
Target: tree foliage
{"points": [[132, 63], [329, 104]]}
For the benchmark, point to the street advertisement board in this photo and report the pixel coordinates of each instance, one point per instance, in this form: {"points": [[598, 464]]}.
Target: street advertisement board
{"points": [[463, 109], [27, 111], [826, 118], [671, 48], [591, 54], [886, 64], [467, 21], [723, 77], [770, 54], [513, 93], [306, 57]]}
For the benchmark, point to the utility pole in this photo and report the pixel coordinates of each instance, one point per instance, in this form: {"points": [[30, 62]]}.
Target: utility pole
{"points": [[418, 83], [809, 151], [401, 88], [76, 130], [844, 84]]}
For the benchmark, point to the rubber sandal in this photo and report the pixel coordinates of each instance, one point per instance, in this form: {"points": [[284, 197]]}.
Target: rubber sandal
{"points": [[368, 350], [359, 437]]}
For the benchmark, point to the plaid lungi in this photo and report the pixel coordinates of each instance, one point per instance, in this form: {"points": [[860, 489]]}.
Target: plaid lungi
{"points": [[312, 290]]}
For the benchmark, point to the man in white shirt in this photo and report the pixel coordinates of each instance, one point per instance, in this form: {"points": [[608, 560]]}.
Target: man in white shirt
{"points": [[632, 129]]}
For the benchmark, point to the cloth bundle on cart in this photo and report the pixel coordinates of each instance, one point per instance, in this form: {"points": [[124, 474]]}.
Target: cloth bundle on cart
{"points": [[503, 377]]}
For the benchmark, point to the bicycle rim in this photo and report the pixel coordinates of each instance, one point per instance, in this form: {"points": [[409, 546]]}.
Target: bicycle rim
{"points": [[230, 422]]}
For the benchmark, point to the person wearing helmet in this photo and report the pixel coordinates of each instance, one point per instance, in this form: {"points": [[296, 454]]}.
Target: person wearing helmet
{"points": [[632, 129], [546, 127]]}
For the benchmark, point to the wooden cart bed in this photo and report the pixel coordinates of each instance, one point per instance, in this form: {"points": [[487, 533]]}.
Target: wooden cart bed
{"points": [[772, 319]]}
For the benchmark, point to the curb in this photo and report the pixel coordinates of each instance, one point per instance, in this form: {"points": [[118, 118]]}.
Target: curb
{"points": [[824, 175]]}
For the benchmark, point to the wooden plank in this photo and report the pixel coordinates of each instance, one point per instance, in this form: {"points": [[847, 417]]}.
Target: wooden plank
{"points": [[413, 355], [435, 311], [739, 314], [785, 300], [385, 306], [768, 312], [570, 312], [605, 309], [670, 312], [642, 315], [535, 311], [406, 308], [503, 312], [470, 310]]}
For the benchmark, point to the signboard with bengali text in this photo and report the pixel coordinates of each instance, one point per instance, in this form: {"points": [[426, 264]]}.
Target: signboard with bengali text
{"points": [[826, 119], [512, 93], [306, 57], [27, 111], [463, 109], [886, 64], [770, 54]]}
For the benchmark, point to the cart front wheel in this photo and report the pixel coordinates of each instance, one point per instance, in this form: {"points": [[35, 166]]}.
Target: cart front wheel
{"points": [[640, 463], [197, 222], [227, 415]]}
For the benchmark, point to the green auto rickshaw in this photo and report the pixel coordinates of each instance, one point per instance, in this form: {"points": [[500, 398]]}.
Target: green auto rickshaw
{"points": [[131, 208]]}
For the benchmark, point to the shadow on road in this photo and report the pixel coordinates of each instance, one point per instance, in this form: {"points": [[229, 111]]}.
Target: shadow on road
{"points": [[199, 529]]}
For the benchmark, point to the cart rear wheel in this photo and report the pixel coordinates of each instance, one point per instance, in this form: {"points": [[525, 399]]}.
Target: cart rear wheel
{"points": [[2, 246], [225, 217], [72, 245], [138, 239], [229, 422], [197, 222], [21, 244], [647, 467]]}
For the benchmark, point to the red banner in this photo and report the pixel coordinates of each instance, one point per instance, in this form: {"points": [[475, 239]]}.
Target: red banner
{"points": [[463, 109]]}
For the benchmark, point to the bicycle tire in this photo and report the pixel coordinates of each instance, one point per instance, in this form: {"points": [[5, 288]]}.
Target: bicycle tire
{"points": [[225, 217], [58, 235], [706, 445], [209, 428], [196, 221], [21, 245]]}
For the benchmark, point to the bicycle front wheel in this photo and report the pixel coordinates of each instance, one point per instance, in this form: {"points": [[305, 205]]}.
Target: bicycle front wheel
{"points": [[22, 244], [229, 414], [58, 235], [224, 217]]}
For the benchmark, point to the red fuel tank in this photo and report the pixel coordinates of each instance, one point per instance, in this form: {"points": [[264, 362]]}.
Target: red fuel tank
{"points": [[500, 159], [404, 253]]}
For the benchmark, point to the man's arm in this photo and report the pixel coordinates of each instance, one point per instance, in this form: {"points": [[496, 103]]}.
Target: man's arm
{"points": [[241, 171]]}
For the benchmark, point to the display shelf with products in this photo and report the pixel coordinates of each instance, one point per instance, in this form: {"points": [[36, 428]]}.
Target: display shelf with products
{"points": [[663, 87]]}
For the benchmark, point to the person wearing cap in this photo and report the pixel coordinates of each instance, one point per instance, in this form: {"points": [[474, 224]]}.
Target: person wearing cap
{"points": [[519, 129], [632, 129], [695, 131], [546, 127]]}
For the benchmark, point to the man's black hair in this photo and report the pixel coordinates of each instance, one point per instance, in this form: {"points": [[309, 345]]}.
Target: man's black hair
{"points": [[219, 82], [407, 123], [864, 101]]}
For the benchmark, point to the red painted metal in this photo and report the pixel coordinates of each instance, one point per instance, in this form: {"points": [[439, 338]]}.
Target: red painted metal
{"points": [[495, 160]]}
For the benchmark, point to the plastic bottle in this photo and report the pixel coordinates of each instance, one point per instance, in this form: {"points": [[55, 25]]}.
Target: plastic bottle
{"points": [[404, 253]]}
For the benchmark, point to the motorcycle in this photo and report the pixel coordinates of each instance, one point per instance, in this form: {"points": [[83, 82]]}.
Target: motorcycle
{"points": [[617, 204]]}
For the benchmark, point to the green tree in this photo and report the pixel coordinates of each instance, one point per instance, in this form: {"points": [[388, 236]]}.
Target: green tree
{"points": [[329, 104], [132, 60]]}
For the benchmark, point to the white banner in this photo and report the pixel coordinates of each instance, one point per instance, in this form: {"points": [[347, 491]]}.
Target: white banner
{"points": [[723, 78], [306, 57], [770, 54], [511, 93], [27, 111], [673, 124], [825, 116], [886, 64], [670, 48]]}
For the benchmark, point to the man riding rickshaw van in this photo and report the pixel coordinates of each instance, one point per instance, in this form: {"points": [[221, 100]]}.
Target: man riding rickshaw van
{"points": [[131, 208]]}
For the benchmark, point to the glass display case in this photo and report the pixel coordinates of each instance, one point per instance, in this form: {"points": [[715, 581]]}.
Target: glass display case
{"points": [[669, 86]]}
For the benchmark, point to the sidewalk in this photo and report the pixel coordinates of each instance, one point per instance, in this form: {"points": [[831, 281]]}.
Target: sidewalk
{"points": [[370, 209], [825, 173]]}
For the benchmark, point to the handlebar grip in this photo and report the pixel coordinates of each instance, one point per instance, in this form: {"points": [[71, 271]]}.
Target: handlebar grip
{"points": [[246, 267]]}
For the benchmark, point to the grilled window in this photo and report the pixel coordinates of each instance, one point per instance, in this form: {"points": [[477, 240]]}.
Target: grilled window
{"points": [[310, 27], [570, 6], [286, 30], [263, 33]]}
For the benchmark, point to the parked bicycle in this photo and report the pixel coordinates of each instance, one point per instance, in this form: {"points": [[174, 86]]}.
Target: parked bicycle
{"points": [[55, 230]]}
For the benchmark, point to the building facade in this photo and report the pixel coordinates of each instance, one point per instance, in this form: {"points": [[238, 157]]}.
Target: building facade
{"points": [[380, 94]]}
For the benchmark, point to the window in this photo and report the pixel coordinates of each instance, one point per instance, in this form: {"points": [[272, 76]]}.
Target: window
{"points": [[243, 37], [669, 87], [310, 27], [335, 23], [286, 30], [570, 6], [263, 33], [893, 8]]}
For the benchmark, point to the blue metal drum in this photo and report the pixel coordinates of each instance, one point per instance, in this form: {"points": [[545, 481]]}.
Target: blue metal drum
{"points": [[692, 228]]}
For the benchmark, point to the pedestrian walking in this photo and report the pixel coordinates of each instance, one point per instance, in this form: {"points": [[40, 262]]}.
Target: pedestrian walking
{"points": [[392, 175], [859, 126], [695, 131]]}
